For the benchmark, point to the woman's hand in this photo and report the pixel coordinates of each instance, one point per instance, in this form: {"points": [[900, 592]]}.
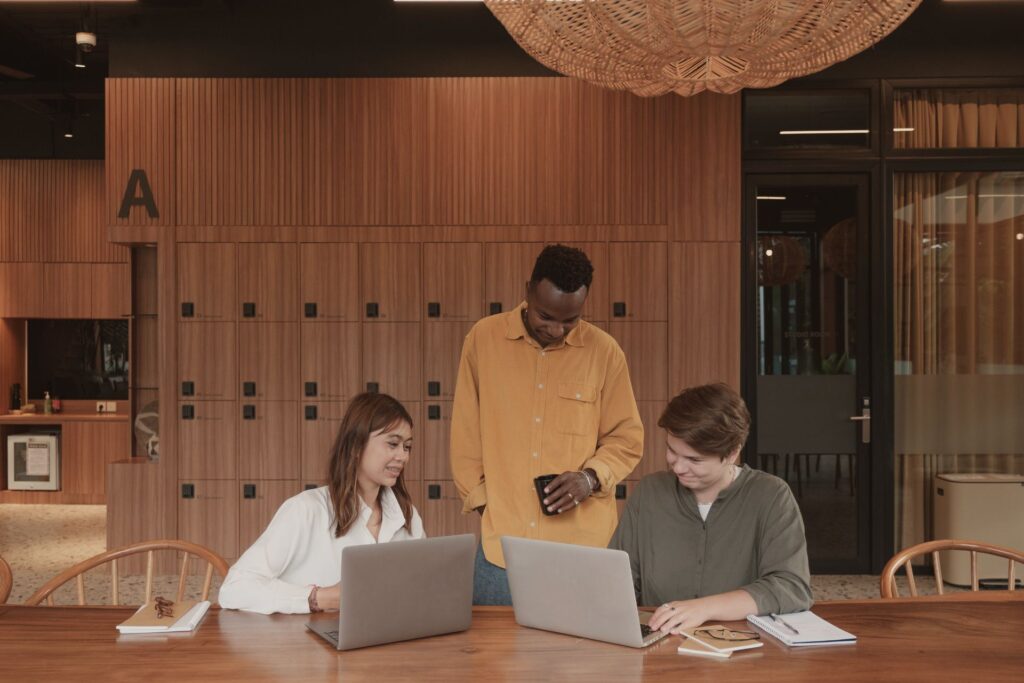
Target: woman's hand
{"points": [[675, 617], [329, 597]]}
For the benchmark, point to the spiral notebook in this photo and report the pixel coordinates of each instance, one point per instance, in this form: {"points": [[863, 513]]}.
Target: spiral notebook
{"points": [[804, 628]]}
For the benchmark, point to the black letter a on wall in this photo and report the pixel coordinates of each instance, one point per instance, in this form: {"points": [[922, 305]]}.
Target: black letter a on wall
{"points": [[138, 183]]}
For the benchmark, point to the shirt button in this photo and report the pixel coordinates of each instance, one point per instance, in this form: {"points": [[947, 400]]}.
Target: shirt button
{"points": [[540, 386], [536, 419], [533, 524], [535, 454], [542, 353], [579, 396]]}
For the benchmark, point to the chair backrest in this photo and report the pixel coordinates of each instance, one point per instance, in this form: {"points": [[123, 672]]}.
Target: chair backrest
{"points": [[902, 559], [6, 580], [213, 562]]}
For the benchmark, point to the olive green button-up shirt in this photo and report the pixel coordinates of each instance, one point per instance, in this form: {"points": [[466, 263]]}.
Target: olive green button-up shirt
{"points": [[521, 411], [753, 540]]}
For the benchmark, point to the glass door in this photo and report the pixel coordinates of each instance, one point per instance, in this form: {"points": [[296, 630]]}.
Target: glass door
{"points": [[807, 353]]}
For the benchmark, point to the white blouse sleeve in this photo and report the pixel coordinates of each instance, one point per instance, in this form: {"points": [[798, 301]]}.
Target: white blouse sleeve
{"points": [[252, 583]]}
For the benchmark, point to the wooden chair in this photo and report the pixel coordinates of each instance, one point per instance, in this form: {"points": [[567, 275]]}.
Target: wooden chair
{"points": [[213, 562], [6, 580], [888, 580]]}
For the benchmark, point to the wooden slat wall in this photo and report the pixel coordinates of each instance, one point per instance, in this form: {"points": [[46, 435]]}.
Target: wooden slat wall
{"points": [[140, 133], [52, 211], [468, 160]]}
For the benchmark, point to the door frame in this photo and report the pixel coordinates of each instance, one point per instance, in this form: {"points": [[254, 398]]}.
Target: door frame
{"points": [[874, 323]]}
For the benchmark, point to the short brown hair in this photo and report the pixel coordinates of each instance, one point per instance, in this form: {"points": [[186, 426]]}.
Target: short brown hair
{"points": [[712, 419], [367, 414]]}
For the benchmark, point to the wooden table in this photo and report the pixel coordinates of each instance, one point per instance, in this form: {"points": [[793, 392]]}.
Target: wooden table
{"points": [[899, 640]]}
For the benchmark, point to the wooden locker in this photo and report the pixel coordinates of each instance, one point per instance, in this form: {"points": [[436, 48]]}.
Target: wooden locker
{"points": [[329, 282], [654, 440], [639, 281], [207, 361], [319, 423], [206, 439], [268, 439], [442, 511], [87, 448], [596, 307], [452, 282], [268, 361], [436, 432], [109, 287], [507, 268], [329, 361], [623, 490], [646, 349], [442, 349], [206, 281], [208, 515], [258, 501], [391, 360], [267, 283], [390, 282]]}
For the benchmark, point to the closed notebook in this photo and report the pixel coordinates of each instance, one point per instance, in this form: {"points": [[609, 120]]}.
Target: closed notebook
{"points": [[186, 617], [810, 630], [689, 646], [722, 639]]}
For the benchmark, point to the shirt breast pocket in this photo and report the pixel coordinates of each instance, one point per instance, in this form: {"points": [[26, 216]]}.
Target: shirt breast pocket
{"points": [[577, 408]]}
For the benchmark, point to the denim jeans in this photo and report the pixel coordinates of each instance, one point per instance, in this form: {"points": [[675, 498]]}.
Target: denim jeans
{"points": [[490, 583]]}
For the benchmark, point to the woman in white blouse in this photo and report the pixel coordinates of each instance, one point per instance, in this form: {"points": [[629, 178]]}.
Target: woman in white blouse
{"points": [[295, 565]]}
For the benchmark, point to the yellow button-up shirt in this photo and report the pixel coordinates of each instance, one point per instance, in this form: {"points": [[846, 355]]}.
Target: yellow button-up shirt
{"points": [[522, 411]]}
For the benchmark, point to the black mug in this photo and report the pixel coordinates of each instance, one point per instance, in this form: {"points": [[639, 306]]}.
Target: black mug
{"points": [[540, 482]]}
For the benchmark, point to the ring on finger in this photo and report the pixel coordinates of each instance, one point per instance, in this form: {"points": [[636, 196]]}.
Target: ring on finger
{"points": [[572, 496]]}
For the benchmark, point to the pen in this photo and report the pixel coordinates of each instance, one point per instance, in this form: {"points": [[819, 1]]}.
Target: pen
{"points": [[779, 620]]}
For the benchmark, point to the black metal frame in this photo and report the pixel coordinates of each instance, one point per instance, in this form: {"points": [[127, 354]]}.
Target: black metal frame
{"points": [[879, 164]]}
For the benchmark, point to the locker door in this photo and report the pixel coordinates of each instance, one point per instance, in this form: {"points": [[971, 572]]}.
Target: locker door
{"points": [[206, 434], [639, 281], [319, 427], [206, 281], [207, 364], [437, 429], [268, 440], [267, 284], [442, 348], [390, 282], [391, 360], [452, 282], [208, 515], [330, 361], [596, 307], [654, 440], [507, 267], [442, 511], [268, 361], [329, 282], [646, 347]]}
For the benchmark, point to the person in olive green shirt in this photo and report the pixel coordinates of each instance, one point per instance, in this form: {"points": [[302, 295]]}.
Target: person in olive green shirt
{"points": [[710, 540]]}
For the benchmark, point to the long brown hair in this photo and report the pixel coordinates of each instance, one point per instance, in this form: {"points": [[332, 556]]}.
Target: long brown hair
{"points": [[368, 413]]}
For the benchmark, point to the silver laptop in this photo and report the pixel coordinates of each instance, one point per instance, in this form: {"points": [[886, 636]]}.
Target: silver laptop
{"points": [[402, 590], [575, 589]]}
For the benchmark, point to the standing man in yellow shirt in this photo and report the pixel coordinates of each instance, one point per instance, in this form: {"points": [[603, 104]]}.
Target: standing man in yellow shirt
{"points": [[541, 391]]}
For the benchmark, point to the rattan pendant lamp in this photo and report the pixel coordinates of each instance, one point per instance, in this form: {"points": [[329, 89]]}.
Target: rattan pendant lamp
{"points": [[653, 47]]}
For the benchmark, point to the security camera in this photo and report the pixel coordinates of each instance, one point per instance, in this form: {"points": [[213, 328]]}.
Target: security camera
{"points": [[86, 40]]}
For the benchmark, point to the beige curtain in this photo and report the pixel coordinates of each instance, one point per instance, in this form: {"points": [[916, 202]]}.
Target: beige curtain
{"points": [[959, 334], [958, 118]]}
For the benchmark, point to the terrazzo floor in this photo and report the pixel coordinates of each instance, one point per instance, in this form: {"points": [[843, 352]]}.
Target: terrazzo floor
{"points": [[39, 541]]}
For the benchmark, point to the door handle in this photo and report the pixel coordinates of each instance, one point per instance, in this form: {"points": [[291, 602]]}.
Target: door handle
{"points": [[865, 424]]}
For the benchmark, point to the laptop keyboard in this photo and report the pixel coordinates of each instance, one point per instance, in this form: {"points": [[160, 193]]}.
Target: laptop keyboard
{"points": [[645, 630], [333, 635]]}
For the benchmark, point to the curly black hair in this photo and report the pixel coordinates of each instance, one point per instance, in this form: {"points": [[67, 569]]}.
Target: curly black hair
{"points": [[567, 268]]}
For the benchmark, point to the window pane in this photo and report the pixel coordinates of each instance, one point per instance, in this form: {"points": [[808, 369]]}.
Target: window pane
{"points": [[807, 120], [958, 118]]}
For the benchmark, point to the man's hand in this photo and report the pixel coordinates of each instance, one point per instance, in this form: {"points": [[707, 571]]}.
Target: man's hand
{"points": [[566, 491]]}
